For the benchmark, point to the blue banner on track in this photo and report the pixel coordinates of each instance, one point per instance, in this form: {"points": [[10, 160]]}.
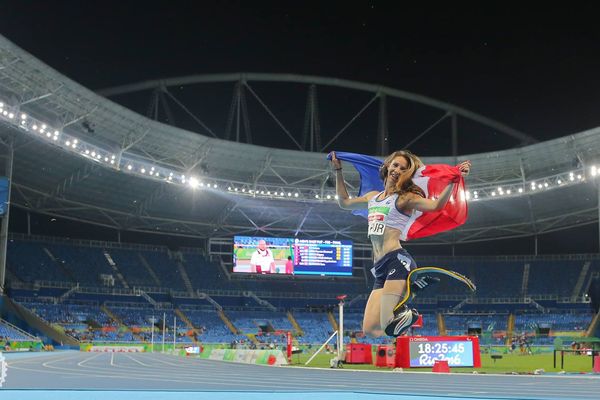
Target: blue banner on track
{"points": [[3, 195]]}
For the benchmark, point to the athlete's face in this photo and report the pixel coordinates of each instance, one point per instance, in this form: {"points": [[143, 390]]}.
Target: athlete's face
{"points": [[397, 167], [262, 245]]}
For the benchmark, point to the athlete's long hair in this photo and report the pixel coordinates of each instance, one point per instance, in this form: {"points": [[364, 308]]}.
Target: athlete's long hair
{"points": [[404, 183]]}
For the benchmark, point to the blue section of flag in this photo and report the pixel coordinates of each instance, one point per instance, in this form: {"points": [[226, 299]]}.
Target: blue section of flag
{"points": [[368, 169]]}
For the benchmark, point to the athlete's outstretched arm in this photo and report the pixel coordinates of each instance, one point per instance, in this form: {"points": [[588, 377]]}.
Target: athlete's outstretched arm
{"points": [[344, 200], [421, 204]]}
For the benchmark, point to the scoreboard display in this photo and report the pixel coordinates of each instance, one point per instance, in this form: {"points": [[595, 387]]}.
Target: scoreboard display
{"points": [[292, 256], [316, 257], [424, 351]]}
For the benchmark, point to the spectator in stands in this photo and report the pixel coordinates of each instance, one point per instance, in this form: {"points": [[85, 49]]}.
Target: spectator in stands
{"points": [[262, 261], [289, 266], [389, 214]]}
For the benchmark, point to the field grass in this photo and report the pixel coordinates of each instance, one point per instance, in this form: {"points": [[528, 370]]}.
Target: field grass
{"points": [[507, 364]]}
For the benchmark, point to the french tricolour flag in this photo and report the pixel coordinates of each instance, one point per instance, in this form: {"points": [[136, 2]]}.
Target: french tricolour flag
{"points": [[432, 179]]}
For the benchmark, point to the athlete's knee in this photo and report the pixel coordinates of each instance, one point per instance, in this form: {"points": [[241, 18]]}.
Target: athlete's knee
{"points": [[374, 332]]}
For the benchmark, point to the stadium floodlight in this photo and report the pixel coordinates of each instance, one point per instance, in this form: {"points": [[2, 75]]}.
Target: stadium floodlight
{"points": [[268, 192], [594, 170], [493, 193], [316, 196], [143, 170], [129, 167], [235, 190], [571, 178], [328, 197], [193, 182], [243, 190], [579, 177], [296, 194], [289, 194], [11, 115], [539, 185], [68, 143], [545, 184], [559, 182], [520, 190]]}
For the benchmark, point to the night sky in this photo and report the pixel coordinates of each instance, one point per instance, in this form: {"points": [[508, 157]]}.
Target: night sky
{"points": [[534, 69]]}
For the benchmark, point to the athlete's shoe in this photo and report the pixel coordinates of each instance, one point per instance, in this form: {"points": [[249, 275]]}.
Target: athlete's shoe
{"points": [[404, 318]]}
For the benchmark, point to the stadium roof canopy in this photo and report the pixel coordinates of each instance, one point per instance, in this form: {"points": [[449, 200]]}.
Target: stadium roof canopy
{"points": [[81, 156]]}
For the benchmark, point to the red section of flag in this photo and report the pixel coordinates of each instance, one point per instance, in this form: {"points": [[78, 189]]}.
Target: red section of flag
{"points": [[434, 179]]}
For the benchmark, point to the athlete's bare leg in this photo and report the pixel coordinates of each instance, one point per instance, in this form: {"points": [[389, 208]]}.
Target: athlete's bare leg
{"points": [[390, 297], [371, 319]]}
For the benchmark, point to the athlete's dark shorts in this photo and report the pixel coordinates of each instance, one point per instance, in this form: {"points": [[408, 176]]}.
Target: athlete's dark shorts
{"points": [[394, 266]]}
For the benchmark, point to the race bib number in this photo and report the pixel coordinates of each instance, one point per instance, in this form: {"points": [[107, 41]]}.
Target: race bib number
{"points": [[377, 216]]}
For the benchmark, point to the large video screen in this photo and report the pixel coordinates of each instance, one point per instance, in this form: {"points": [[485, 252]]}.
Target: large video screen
{"points": [[265, 255]]}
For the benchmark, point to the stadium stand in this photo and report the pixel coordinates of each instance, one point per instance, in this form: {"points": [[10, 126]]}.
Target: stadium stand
{"points": [[152, 284]]}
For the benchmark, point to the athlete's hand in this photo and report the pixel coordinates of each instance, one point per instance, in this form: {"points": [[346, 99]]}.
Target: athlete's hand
{"points": [[335, 163], [464, 167]]}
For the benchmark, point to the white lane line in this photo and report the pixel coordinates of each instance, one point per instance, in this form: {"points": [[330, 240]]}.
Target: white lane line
{"points": [[139, 362], [112, 359], [87, 359], [47, 357], [47, 363]]}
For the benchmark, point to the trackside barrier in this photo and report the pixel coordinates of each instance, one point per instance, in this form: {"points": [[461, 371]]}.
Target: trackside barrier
{"points": [[260, 357]]}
